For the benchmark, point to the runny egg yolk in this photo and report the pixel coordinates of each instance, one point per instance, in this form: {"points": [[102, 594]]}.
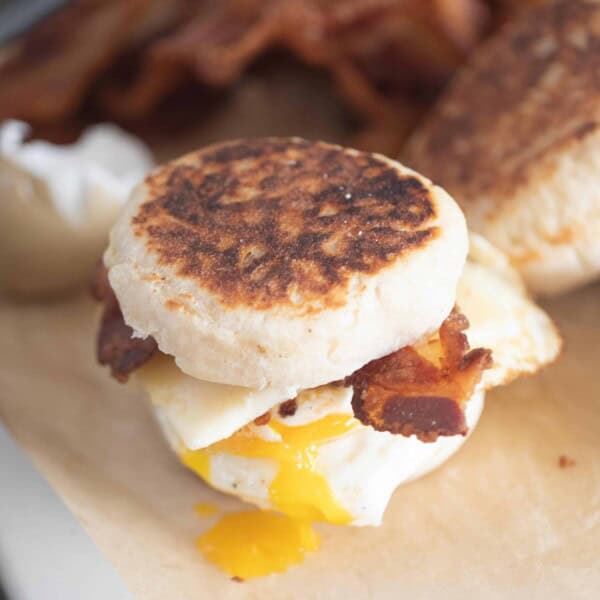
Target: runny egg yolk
{"points": [[297, 490], [257, 543], [251, 544]]}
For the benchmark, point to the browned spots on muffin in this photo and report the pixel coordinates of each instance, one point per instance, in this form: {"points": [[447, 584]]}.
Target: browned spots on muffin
{"points": [[173, 304], [282, 221], [565, 235], [152, 277], [525, 257]]}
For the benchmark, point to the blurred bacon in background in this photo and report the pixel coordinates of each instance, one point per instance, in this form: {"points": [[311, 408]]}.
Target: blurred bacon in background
{"points": [[159, 67]]}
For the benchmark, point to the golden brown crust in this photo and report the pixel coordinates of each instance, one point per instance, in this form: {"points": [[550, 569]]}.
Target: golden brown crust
{"points": [[526, 95], [274, 221], [406, 394]]}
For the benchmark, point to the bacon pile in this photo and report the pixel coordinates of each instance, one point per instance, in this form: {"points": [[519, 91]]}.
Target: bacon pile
{"points": [[45, 75], [386, 58], [402, 393]]}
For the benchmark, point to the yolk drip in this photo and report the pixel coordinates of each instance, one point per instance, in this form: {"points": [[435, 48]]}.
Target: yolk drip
{"points": [[198, 461], [253, 544], [257, 543], [297, 490]]}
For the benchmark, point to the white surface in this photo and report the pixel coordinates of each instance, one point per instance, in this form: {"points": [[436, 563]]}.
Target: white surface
{"points": [[105, 161], [44, 552], [57, 204]]}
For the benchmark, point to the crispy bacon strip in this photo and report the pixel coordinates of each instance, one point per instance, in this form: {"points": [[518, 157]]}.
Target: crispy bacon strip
{"points": [[115, 346], [381, 54], [406, 394], [47, 74]]}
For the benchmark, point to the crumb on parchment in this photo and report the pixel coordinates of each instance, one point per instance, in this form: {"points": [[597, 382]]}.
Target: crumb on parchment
{"points": [[564, 461]]}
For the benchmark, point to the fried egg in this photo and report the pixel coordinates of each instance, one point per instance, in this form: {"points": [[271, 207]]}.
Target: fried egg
{"points": [[321, 464]]}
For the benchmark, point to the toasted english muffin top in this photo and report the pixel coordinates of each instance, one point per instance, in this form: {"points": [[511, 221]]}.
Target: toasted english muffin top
{"points": [[282, 221]]}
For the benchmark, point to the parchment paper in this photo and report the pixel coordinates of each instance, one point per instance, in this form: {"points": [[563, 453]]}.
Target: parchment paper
{"points": [[499, 520]]}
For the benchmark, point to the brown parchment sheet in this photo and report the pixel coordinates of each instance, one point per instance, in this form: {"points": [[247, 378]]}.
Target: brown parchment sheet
{"points": [[500, 520]]}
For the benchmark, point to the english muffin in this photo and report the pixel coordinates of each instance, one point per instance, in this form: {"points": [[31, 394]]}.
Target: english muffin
{"points": [[516, 140]]}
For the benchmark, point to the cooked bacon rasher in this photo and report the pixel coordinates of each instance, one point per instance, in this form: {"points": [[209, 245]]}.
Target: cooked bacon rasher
{"points": [[115, 345], [405, 393]]}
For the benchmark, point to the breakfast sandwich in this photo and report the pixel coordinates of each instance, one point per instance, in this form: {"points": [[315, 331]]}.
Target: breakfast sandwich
{"points": [[516, 140], [309, 328]]}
